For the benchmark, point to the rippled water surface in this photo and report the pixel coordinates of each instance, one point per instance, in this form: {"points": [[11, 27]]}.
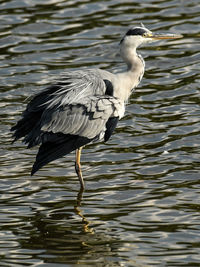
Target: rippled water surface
{"points": [[141, 205]]}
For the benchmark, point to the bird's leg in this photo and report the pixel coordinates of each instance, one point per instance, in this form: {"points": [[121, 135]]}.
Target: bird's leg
{"points": [[78, 168]]}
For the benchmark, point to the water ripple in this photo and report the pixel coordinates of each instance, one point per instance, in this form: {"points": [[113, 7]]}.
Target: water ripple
{"points": [[141, 205]]}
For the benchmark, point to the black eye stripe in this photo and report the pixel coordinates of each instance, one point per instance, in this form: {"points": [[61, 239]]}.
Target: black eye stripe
{"points": [[136, 31]]}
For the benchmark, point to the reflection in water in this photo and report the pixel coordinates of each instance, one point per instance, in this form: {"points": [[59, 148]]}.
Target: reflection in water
{"points": [[65, 241], [78, 211], [141, 206]]}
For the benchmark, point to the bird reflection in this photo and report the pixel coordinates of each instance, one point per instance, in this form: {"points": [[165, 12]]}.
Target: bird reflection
{"points": [[78, 211]]}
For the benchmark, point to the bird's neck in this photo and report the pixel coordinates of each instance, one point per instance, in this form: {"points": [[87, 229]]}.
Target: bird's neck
{"points": [[132, 59], [130, 78]]}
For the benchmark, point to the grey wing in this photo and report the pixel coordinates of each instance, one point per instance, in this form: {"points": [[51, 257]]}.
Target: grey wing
{"points": [[77, 109], [70, 88], [73, 126], [74, 98], [88, 118], [76, 86]]}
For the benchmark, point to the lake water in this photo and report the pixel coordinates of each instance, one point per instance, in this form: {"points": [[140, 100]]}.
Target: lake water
{"points": [[141, 206]]}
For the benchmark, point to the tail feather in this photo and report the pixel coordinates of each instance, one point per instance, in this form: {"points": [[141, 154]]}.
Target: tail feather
{"points": [[25, 125], [33, 112], [50, 151]]}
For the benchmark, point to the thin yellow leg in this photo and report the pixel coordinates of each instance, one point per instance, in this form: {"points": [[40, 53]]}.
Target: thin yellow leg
{"points": [[78, 167]]}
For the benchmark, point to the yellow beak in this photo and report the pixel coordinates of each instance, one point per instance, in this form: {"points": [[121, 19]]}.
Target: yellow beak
{"points": [[160, 36]]}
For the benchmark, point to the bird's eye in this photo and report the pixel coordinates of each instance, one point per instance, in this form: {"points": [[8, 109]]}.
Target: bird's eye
{"points": [[145, 34]]}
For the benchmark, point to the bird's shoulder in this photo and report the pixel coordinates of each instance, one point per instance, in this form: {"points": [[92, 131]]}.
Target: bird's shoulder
{"points": [[91, 78], [78, 86]]}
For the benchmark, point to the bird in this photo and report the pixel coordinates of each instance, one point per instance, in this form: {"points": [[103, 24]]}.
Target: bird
{"points": [[83, 106]]}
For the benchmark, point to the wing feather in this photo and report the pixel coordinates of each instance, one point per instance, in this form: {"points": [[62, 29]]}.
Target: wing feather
{"points": [[76, 104], [76, 110], [78, 85], [82, 119]]}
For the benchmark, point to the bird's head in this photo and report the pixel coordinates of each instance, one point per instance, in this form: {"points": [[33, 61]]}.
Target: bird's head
{"points": [[141, 35]]}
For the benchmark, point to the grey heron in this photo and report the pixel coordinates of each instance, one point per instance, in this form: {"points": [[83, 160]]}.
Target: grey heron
{"points": [[83, 106]]}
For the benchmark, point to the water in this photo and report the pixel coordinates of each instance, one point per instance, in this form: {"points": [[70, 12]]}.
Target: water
{"points": [[141, 204]]}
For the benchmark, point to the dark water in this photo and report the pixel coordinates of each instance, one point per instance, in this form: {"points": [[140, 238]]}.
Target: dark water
{"points": [[141, 206]]}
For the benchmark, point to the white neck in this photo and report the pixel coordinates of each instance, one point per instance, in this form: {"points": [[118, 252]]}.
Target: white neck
{"points": [[129, 79], [128, 55]]}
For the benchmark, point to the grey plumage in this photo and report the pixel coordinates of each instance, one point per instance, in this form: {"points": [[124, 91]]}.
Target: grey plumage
{"points": [[73, 108], [69, 114]]}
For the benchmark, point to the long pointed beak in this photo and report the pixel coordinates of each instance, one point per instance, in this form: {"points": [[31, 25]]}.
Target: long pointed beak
{"points": [[160, 36]]}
